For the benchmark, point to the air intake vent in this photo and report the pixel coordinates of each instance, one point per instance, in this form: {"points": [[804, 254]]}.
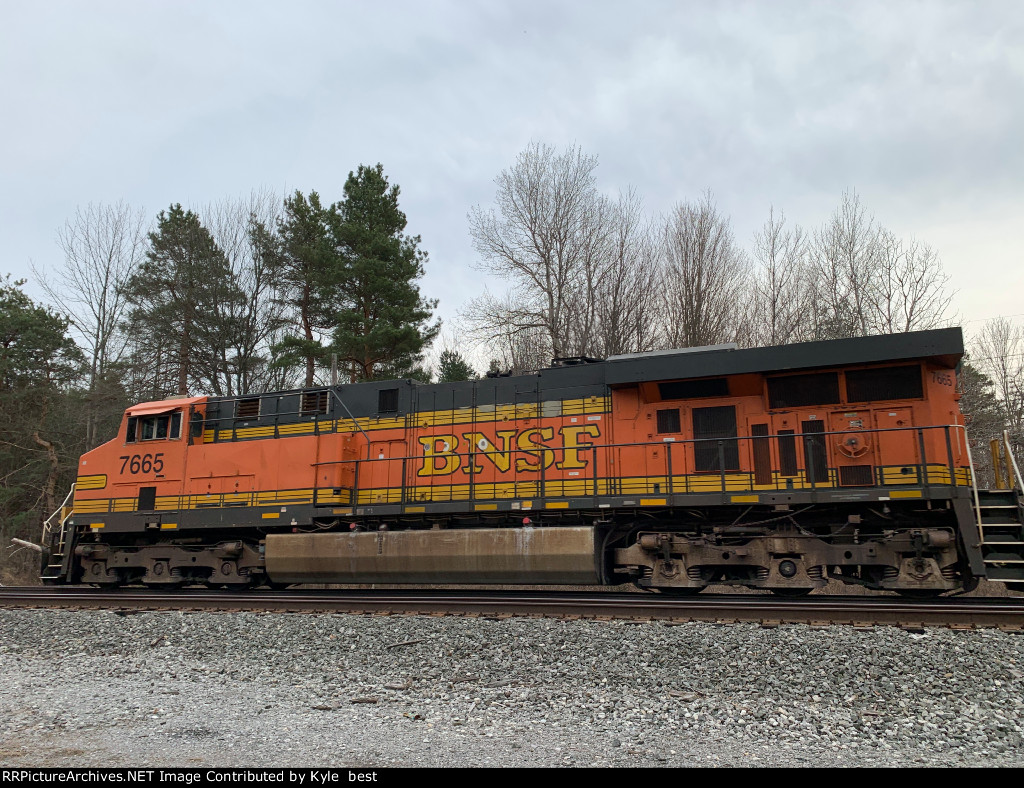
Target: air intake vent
{"points": [[694, 389], [247, 408], [856, 475], [869, 385], [387, 401], [314, 402], [794, 391], [668, 421]]}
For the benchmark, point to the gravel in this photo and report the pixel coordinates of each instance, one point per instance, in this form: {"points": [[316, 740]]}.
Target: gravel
{"points": [[171, 689]]}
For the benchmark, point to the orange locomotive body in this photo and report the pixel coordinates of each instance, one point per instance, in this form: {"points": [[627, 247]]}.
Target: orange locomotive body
{"points": [[772, 468]]}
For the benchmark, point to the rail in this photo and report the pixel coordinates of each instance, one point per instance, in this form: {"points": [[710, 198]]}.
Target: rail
{"points": [[670, 466], [818, 611], [1016, 482]]}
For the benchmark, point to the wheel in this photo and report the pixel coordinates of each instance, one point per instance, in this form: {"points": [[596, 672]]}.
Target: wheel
{"points": [[791, 592]]}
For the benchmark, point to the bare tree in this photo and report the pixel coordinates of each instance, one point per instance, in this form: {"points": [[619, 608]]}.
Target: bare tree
{"points": [[908, 289], [516, 338], [999, 353], [703, 275], [868, 281], [779, 310], [843, 259], [547, 236], [102, 246], [626, 300]]}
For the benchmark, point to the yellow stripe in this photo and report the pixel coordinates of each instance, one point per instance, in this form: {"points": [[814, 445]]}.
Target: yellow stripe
{"points": [[485, 507], [254, 432], [556, 505], [94, 482], [640, 486], [271, 515], [95, 525], [165, 526], [412, 509]]}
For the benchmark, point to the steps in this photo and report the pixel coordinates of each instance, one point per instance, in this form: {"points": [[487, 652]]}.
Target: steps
{"points": [[57, 540], [1002, 536]]}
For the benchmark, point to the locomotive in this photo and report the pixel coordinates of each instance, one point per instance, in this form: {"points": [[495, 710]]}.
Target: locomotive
{"points": [[776, 468]]}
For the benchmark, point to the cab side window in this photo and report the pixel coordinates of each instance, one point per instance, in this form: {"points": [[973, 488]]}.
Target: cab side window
{"points": [[161, 427]]}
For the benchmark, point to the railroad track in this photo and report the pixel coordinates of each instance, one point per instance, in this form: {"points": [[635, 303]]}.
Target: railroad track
{"points": [[955, 612]]}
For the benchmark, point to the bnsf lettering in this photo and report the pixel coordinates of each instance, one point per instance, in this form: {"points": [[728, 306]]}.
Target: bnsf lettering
{"points": [[527, 450], [142, 463]]}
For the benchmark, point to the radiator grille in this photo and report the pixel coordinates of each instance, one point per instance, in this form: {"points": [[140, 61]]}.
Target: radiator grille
{"points": [[856, 475]]}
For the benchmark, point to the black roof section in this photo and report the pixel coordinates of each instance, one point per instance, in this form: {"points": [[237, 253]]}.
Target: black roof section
{"points": [[943, 345], [591, 378]]}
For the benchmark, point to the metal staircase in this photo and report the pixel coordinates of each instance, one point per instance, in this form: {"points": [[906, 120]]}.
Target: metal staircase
{"points": [[57, 540], [1001, 519]]}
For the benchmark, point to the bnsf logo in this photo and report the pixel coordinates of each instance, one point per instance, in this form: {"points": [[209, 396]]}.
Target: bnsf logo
{"points": [[526, 450]]}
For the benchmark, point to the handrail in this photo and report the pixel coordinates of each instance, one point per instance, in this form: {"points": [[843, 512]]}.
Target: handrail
{"points": [[1013, 460], [48, 523], [355, 421], [974, 484], [689, 480]]}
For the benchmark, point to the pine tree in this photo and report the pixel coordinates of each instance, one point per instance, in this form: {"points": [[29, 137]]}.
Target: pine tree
{"points": [[308, 267], [180, 297], [452, 367], [383, 325]]}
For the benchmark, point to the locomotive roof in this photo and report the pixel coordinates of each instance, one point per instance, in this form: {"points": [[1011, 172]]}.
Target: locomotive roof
{"points": [[592, 377], [943, 345]]}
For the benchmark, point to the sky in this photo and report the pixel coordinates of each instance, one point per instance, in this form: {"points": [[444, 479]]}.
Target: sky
{"points": [[917, 106]]}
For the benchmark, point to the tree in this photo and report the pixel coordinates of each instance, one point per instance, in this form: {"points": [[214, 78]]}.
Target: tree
{"points": [[843, 259], [908, 290], [548, 236], [184, 305], [39, 366], [983, 415], [383, 325], [244, 230], [703, 275], [779, 309], [102, 246], [309, 266], [453, 367], [998, 351], [504, 329], [868, 281], [626, 296]]}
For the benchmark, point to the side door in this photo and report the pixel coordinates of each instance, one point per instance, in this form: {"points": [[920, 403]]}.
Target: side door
{"points": [[387, 466], [898, 446]]}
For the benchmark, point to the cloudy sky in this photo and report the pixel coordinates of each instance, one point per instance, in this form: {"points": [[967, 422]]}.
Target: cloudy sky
{"points": [[917, 106]]}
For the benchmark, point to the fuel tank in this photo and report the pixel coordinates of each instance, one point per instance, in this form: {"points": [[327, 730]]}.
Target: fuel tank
{"points": [[481, 555]]}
